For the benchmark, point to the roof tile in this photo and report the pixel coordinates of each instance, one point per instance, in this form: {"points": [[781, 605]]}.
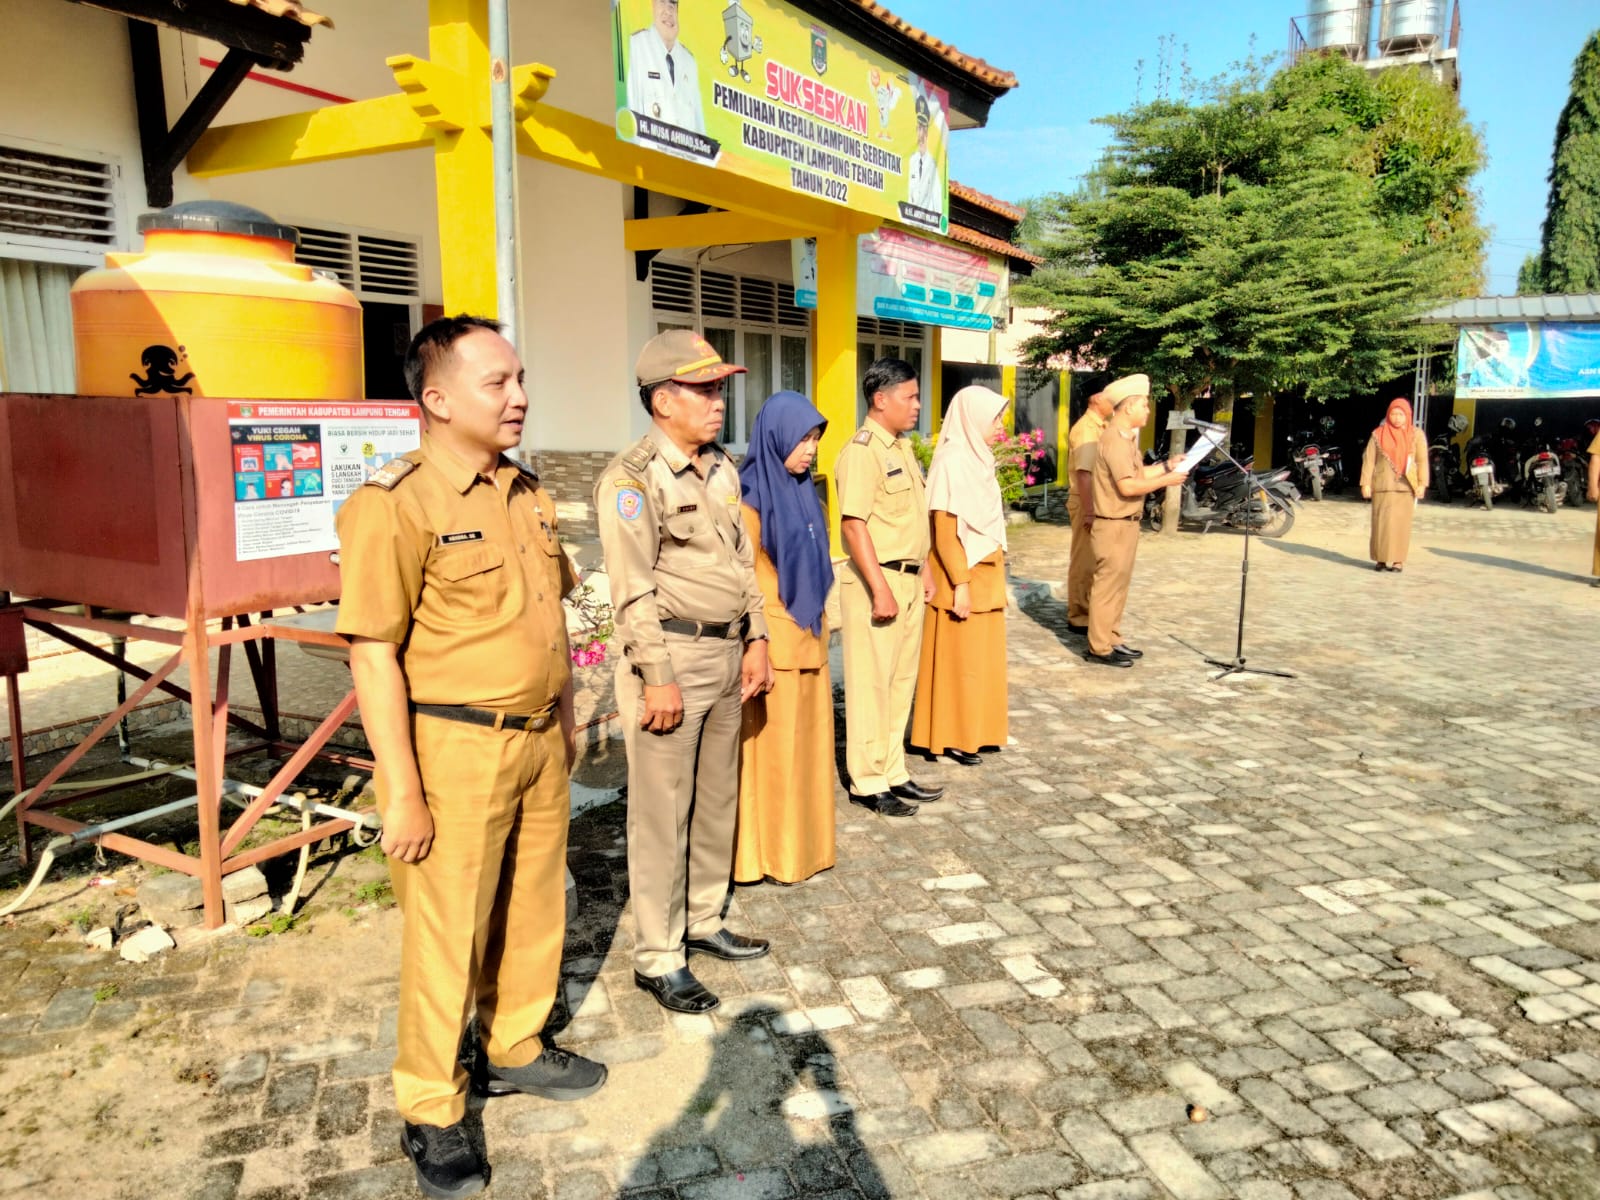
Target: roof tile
{"points": [[975, 67]]}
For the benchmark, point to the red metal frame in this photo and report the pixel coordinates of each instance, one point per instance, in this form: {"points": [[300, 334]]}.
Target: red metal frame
{"points": [[220, 852]]}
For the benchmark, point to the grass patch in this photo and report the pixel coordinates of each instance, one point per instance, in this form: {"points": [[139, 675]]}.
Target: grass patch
{"points": [[376, 891], [106, 991], [276, 923]]}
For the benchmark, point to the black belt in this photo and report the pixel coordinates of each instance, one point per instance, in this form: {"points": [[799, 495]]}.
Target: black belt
{"points": [[527, 722], [1130, 517], [704, 629], [903, 564]]}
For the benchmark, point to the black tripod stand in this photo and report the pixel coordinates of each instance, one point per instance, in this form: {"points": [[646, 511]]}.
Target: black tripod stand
{"points": [[1236, 664]]}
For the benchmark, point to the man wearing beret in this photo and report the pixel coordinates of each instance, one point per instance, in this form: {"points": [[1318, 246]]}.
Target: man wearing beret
{"points": [[689, 615], [1121, 481]]}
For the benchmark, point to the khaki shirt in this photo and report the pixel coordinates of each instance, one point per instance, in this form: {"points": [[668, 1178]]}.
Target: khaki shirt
{"points": [[1116, 458], [1377, 472], [880, 481], [465, 574], [675, 546], [1083, 442]]}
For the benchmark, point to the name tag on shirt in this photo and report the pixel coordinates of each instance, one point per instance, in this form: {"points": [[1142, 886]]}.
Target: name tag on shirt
{"points": [[897, 471], [465, 535], [683, 508], [654, 74]]}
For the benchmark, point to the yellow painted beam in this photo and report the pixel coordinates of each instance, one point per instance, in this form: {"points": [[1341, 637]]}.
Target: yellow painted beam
{"points": [[1008, 389], [1263, 452], [342, 131], [837, 382], [1063, 424], [705, 229], [935, 397], [569, 140]]}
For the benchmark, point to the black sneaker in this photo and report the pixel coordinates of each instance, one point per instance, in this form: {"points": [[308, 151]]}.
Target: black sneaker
{"points": [[447, 1165], [556, 1074]]}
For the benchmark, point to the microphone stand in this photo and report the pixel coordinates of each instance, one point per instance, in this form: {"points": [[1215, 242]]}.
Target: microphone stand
{"points": [[1236, 664]]}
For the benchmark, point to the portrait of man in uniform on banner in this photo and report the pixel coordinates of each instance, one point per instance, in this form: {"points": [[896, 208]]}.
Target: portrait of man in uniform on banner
{"points": [[663, 81]]}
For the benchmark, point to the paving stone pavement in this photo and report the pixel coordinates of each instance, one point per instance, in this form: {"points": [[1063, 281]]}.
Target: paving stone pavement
{"points": [[1351, 919]]}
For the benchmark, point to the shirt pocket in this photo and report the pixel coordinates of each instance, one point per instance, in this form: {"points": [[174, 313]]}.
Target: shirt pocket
{"points": [[473, 582], [685, 528], [897, 492]]}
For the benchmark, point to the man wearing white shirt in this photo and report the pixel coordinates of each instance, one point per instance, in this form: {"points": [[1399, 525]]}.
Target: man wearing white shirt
{"points": [[922, 185], [662, 80]]}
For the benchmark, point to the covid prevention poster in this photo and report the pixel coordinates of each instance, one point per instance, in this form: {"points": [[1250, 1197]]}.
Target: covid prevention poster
{"points": [[296, 462], [765, 91], [904, 277]]}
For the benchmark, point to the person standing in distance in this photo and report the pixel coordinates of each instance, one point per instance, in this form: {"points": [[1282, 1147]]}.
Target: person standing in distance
{"points": [[1121, 481], [1394, 476], [1083, 444], [452, 586], [689, 614], [883, 512]]}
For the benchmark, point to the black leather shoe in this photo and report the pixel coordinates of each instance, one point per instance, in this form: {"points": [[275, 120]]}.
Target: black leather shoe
{"points": [[556, 1074], [678, 991], [1107, 660], [1127, 651], [885, 804], [1380, 566], [447, 1165], [965, 757], [1080, 630], [725, 943], [912, 790]]}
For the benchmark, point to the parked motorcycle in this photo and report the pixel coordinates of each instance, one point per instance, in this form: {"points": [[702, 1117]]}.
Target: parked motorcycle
{"points": [[1445, 476], [1219, 493], [1486, 485], [1539, 472], [1308, 466], [1574, 465]]}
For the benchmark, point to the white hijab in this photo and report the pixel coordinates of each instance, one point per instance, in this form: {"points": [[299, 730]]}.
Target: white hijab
{"points": [[961, 477]]}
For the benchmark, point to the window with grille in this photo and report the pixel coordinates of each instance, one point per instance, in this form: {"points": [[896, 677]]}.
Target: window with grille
{"points": [[752, 320], [372, 265], [57, 207]]}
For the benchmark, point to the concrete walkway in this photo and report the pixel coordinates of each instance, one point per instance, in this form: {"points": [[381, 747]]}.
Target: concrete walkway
{"points": [[1334, 936]]}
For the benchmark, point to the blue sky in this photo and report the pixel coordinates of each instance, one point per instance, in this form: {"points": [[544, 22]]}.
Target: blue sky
{"points": [[1076, 61]]}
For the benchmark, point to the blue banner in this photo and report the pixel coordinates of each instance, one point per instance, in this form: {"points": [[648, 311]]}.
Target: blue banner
{"points": [[1528, 361]]}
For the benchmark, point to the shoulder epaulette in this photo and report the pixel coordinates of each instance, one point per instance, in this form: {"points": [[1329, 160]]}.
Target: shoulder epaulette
{"points": [[862, 438], [529, 475], [391, 473], [638, 455]]}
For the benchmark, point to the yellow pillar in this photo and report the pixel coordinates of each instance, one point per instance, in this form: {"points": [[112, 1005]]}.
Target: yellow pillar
{"points": [[1264, 404], [463, 160], [1063, 424], [1008, 389], [837, 384], [935, 397], [1468, 408]]}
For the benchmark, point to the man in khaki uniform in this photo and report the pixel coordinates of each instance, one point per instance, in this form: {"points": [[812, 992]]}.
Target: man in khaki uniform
{"points": [[694, 642], [1594, 494], [884, 525], [1120, 483], [452, 587], [1083, 443]]}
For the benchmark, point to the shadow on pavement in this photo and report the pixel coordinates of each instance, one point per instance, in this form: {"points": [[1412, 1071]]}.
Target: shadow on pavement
{"points": [[1333, 556], [1039, 606], [597, 856], [738, 1121], [1509, 564]]}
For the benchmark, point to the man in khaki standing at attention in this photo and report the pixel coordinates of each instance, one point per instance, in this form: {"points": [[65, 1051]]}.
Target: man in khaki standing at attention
{"points": [[884, 525], [451, 598], [1121, 481], [694, 644], [1083, 443]]}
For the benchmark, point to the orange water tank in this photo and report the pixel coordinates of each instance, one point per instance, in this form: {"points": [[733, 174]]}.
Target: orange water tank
{"points": [[215, 306]]}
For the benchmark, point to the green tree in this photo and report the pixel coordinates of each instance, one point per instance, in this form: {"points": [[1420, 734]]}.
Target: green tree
{"points": [[1275, 233], [1569, 252], [1530, 276]]}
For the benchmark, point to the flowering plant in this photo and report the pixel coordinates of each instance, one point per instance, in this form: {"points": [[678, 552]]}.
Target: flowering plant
{"points": [[1016, 460], [594, 620]]}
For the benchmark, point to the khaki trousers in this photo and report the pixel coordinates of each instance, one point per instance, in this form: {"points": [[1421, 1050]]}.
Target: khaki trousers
{"points": [[880, 679], [683, 801], [485, 911], [1080, 564], [1115, 544]]}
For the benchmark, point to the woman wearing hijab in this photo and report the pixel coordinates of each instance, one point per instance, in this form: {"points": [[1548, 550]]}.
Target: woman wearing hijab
{"points": [[1394, 475], [961, 683], [786, 798]]}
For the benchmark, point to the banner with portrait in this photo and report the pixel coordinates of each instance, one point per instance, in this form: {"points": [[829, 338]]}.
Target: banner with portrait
{"points": [[764, 91], [1528, 360]]}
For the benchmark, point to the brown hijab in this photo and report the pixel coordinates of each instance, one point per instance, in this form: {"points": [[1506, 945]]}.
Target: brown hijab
{"points": [[1396, 441]]}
